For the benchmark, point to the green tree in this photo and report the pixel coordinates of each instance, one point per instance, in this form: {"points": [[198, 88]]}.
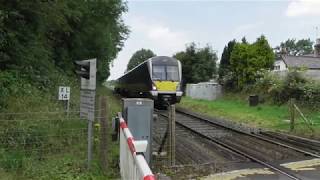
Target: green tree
{"points": [[41, 38], [244, 40], [198, 64], [138, 57], [295, 47], [248, 59], [224, 66]]}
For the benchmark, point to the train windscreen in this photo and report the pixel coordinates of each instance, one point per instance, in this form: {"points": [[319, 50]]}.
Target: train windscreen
{"points": [[163, 73], [172, 73]]}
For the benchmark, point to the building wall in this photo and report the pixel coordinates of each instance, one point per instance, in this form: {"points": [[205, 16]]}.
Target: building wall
{"points": [[313, 74], [279, 65], [207, 91]]}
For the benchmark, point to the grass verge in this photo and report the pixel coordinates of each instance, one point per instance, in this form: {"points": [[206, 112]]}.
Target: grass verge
{"points": [[36, 148], [266, 116]]}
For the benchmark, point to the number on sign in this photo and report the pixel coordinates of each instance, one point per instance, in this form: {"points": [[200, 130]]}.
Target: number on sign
{"points": [[64, 93]]}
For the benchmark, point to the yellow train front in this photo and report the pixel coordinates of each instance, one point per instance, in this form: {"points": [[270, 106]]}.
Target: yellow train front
{"points": [[158, 78]]}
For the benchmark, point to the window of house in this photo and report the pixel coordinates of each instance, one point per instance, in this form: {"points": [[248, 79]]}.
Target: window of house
{"points": [[276, 67]]}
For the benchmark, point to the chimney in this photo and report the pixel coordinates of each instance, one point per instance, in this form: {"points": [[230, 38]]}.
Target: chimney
{"points": [[317, 48]]}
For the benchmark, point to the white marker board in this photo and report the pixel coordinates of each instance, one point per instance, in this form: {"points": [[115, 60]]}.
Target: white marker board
{"points": [[64, 93]]}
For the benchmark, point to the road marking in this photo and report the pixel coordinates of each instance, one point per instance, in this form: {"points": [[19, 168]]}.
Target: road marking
{"points": [[238, 174], [303, 165]]}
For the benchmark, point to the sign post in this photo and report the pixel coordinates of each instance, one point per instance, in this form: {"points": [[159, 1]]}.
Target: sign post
{"points": [[87, 97], [64, 95]]}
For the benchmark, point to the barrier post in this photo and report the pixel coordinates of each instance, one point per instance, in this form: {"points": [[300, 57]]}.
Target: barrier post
{"points": [[133, 164], [172, 132]]}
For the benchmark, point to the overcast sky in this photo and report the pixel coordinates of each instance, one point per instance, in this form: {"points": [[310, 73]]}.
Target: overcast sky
{"points": [[166, 26]]}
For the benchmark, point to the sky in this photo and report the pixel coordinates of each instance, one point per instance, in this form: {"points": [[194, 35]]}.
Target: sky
{"points": [[167, 26]]}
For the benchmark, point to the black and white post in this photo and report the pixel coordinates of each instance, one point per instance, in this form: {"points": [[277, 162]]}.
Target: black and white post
{"points": [[64, 95]]}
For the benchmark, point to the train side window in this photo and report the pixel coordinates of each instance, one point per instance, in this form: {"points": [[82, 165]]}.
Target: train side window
{"points": [[172, 73], [158, 73]]}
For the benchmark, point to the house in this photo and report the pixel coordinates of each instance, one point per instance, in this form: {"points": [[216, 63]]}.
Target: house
{"points": [[310, 62]]}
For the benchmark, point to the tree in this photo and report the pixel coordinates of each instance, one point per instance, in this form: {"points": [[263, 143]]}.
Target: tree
{"points": [[248, 59], [198, 64], [41, 38], [224, 66], [138, 57], [295, 47], [244, 40]]}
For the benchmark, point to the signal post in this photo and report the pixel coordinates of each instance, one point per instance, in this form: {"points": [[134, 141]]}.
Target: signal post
{"points": [[87, 69]]}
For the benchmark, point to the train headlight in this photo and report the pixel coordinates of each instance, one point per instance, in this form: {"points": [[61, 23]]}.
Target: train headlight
{"points": [[154, 87]]}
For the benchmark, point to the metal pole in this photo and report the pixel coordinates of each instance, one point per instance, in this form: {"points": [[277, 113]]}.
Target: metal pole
{"points": [[170, 135], [172, 139], [89, 143], [173, 133]]}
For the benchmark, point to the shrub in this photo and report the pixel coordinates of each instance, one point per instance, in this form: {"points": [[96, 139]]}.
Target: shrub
{"points": [[293, 85], [11, 84], [311, 94]]}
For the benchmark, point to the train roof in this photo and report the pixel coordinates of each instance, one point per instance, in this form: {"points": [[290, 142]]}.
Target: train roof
{"points": [[164, 60], [156, 60]]}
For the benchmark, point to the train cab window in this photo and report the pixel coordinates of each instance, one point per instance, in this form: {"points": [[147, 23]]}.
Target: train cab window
{"points": [[172, 73], [158, 73]]}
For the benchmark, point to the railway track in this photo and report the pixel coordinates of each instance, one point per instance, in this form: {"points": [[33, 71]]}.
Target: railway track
{"points": [[231, 139]]}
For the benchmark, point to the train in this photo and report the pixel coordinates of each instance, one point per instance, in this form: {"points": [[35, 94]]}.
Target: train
{"points": [[157, 78]]}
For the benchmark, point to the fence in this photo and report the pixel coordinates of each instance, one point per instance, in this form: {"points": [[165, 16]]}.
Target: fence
{"points": [[37, 144], [132, 163]]}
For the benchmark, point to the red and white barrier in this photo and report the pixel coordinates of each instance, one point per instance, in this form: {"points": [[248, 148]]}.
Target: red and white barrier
{"points": [[133, 165]]}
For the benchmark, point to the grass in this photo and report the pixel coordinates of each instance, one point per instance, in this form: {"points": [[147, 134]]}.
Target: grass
{"points": [[113, 107], [268, 116], [64, 150]]}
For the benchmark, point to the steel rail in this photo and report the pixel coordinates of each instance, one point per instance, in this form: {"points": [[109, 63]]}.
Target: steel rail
{"points": [[253, 135], [308, 143], [254, 159], [278, 169]]}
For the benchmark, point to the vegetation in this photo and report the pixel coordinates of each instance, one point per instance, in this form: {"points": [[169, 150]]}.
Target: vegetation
{"points": [[224, 66], [248, 59], [40, 39], [235, 107], [244, 68], [47, 146], [138, 57], [293, 85], [113, 107], [295, 47], [198, 64]]}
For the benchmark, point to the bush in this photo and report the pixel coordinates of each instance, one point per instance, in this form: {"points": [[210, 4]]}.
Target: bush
{"points": [[311, 94], [11, 84], [11, 160], [293, 85], [268, 85], [229, 82]]}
